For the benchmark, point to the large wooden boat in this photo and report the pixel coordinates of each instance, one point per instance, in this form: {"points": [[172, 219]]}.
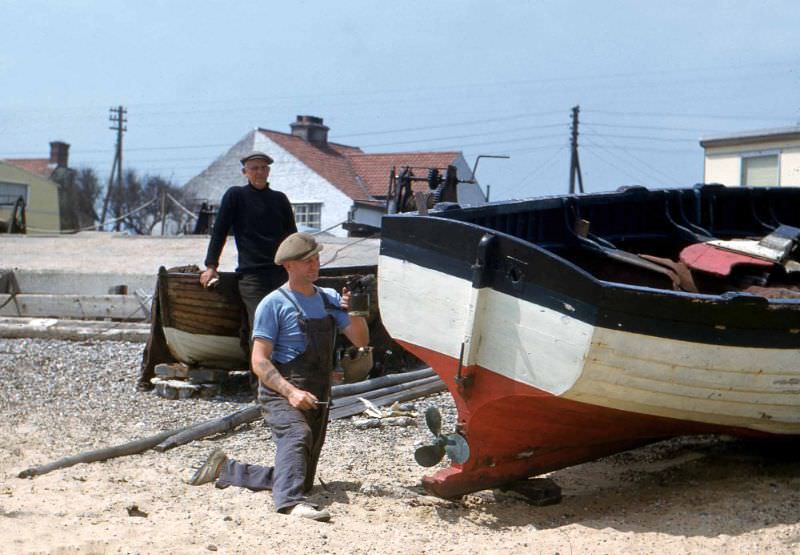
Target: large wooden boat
{"points": [[203, 327], [569, 328]]}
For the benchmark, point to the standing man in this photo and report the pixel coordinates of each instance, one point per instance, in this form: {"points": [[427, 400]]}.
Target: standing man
{"points": [[293, 340], [261, 218]]}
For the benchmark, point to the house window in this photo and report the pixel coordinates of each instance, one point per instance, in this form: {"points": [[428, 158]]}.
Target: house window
{"points": [[10, 192], [760, 170], [308, 215]]}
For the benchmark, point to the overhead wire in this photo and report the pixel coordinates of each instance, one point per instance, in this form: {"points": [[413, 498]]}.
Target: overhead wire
{"points": [[636, 178], [693, 115], [540, 168], [645, 127], [662, 178], [610, 144], [641, 137]]}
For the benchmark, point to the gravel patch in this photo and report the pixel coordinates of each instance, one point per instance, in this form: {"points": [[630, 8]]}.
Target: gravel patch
{"points": [[82, 395]]}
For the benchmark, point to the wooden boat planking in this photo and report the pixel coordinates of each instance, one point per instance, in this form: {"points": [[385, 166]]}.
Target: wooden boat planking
{"points": [[201, 326]]}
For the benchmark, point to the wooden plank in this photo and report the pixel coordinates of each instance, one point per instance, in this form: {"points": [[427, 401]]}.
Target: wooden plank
{"points": [[191, 325], [195, 307], [123, 307], [204, 300], [74, 330], [197, 312], [197, 290]]}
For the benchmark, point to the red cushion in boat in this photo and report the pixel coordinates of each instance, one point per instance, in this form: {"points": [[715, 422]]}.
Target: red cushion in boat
{"points": [[713, 260]]}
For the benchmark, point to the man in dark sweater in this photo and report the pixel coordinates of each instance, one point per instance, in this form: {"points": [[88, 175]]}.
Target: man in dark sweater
{"points": [[261, 218]]}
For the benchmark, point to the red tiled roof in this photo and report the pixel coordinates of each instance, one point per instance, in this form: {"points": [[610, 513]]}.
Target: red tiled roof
{"points": [[374, 169], [39, 166], [359, 175], [331, 161]]}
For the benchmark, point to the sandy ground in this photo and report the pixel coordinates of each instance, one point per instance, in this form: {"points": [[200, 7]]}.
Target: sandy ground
{"points": [[57, 398], [690, 495]]}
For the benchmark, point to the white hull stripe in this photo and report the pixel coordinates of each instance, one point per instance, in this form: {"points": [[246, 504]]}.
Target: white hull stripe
{"points": [[758, 388], [205, 350]]}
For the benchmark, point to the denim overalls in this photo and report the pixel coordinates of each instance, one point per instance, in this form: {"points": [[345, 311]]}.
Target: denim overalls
{"points": [[298, 435]]}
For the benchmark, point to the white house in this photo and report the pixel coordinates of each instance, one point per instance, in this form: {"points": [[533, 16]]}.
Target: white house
{"points": [[323, 180], [763, 157]]}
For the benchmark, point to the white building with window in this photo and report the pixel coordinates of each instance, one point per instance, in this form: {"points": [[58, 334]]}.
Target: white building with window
{"points": [[323, 180], [767, 157]]}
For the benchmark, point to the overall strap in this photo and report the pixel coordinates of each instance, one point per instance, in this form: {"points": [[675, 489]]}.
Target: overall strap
{"points": [[300, 313], [326, 302]]}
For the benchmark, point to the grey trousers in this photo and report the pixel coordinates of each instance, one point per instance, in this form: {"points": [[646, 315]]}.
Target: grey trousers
{"points": [[294, 439]]}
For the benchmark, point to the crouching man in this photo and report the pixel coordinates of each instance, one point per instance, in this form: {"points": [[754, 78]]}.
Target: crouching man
{"points": [[293, 331]]}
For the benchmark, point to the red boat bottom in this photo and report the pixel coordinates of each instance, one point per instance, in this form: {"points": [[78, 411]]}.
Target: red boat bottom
{"points": [[516, 431]]}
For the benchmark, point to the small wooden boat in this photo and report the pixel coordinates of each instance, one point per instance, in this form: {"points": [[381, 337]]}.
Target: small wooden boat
{"points": [[201, 326], [569, 328]]}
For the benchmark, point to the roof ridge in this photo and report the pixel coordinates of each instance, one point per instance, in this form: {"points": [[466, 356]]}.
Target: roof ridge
{"points": [[263, 130], [408, 152]]}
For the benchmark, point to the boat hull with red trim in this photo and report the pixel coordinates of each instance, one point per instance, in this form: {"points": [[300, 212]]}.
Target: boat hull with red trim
{"points": [[559, 351]]}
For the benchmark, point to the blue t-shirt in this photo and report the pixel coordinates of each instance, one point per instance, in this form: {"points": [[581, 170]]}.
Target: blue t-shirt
{"points": [[276, 320]]}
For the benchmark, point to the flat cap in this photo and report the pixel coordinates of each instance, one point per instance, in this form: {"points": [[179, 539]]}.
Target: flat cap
{"points": [[255, 154], [297, 246]]}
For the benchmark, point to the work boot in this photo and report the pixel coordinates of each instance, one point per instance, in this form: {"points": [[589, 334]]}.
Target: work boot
{"points": [[304, 510], [209, 470]]}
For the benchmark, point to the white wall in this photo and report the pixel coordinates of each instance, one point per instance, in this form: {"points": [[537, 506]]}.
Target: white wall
{"points": [[725, 169], [724, 164], [790, 167], [302, 185]]}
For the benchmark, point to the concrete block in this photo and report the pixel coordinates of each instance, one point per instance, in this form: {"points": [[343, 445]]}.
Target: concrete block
{"points": [[175, 389], [208, 390], [175, 370], [207, 375]]}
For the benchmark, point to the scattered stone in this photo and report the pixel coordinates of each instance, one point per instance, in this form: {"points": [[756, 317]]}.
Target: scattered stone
{"points": [[402, 421], [133, 510], [374, 490], [430, 501], [366, 423], [536, 491]]}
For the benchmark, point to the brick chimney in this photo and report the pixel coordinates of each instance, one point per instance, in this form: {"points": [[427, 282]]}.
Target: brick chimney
{"points": [[59, 154], [310, 129]]}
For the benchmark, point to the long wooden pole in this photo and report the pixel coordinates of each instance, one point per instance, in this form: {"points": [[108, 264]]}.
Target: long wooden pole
{"points": [[204, 429], [343, 406], [130, 448]]}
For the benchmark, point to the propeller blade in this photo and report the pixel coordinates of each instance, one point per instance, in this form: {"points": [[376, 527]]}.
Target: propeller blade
{"points": [[428, 455], [457, 448], [433, 419]]}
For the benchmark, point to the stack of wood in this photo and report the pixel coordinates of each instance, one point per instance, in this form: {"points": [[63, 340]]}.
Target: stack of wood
{"points": [[181, 381]]}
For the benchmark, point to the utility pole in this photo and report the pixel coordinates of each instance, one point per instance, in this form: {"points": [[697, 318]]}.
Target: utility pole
{"points": [[574, 163], [118, 119], [163, 208]]}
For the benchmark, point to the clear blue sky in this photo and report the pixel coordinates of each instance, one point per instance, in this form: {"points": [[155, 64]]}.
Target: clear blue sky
{"points": [[478, 76]]}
